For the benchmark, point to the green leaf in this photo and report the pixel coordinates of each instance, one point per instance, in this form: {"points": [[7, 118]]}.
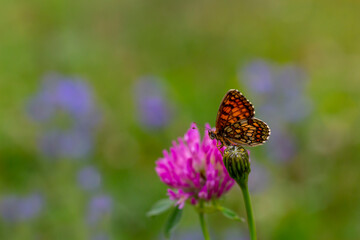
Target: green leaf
{"points": [[230, 214], [172, 222], [160, 207]]}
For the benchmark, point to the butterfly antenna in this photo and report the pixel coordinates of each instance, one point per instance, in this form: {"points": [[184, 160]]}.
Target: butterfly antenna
{"points": [[197, 126], [201, 128]]}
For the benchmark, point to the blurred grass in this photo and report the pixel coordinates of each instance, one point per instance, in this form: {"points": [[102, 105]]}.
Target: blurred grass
{"points": [[197, 47]]}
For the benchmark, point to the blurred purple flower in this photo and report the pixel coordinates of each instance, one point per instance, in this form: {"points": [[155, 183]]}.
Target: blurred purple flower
{"points": [[280, 92], [283, 88], [258, 76], [152, 105], [100, 236], [15, 209], [259, 178], [66, 143], [30, 207], [99, 207], [89, 178], [9, 208], [291, 81], [282, 145], [66, 109], [194, 169], [71, 95]]}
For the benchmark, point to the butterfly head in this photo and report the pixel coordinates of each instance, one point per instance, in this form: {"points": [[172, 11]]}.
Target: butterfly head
{"points": [[212, 134]]}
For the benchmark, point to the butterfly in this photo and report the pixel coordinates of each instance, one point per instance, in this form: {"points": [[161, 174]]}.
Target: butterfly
{"points": [[235, 122]]}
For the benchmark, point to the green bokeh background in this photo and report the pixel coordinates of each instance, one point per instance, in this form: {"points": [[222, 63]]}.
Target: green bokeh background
{"points": [[197, 48]]}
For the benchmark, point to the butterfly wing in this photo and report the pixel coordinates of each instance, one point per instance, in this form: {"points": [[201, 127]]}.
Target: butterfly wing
{"points": [[247, 132], [233, 108]]}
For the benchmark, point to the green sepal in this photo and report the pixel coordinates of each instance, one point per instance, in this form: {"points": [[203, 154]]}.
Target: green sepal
{"points": [[160, 207], [172, 222], [230, 214]]}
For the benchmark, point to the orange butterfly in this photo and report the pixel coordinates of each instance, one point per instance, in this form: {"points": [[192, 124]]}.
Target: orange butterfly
{"points": [[235, 122]]}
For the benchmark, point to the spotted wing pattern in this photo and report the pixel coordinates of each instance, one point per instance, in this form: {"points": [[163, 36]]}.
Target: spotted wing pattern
{"points": [[233, 108], [248, 132]]}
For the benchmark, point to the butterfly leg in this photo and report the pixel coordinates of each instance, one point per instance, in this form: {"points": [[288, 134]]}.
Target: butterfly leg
{"points": [[228, 142], [219, 146]]}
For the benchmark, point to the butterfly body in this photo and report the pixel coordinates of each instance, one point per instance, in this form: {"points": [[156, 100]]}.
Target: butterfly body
{"points": [[235, 122]]}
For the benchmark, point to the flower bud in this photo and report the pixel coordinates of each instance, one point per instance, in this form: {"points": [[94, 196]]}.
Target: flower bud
{"points": [[236, 161]]}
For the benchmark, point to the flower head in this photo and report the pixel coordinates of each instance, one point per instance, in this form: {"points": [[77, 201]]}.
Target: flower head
{"points": [[194, 169], [236, 161]]}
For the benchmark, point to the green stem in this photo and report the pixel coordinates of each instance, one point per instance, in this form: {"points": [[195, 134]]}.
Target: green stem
{"points": [[250, 217], [202, 222]]}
